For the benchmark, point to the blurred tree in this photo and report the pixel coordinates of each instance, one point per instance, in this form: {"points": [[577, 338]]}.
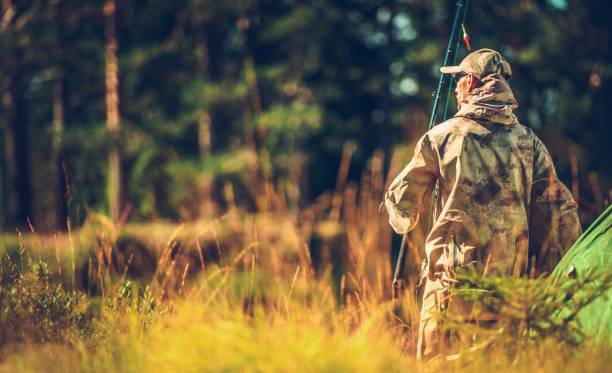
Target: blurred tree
{"points": [[202, 17], [56, 161], [16, 144], [114, 177], [255, 100]]}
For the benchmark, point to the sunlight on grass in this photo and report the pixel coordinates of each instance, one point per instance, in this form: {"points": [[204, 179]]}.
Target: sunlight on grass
{"points": [[254, 302]]}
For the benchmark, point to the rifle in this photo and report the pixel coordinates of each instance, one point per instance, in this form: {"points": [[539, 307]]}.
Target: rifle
{"points": [[442, 93]]}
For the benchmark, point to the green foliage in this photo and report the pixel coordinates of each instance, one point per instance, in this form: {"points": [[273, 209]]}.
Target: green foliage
{"points": [[36, 309], [290, 81], [519, 313]]}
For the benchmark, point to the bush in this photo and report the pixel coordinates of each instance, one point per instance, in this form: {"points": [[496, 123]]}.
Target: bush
{"points": [[526, 313], [33, 309]]}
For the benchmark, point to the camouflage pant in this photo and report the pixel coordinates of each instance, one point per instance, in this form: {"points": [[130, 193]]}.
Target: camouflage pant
{"points": [[432, 339]]}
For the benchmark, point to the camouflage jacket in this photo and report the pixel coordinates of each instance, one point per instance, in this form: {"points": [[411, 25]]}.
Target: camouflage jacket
{"points": [[498, 190]]}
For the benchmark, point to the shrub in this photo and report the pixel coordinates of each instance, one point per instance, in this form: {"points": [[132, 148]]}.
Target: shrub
{"points": [[34, 309], [526, 313]]}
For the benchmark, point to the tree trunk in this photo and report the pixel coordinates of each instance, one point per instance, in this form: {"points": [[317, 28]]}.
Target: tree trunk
{"points": [[59, 105], [16, 144], [205, 185], [56, 161], [114, 181], [17, 157]]}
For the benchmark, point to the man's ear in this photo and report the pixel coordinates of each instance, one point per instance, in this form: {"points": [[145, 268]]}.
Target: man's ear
{"points": [[472, 82]]}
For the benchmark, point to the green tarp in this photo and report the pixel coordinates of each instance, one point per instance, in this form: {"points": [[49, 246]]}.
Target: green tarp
{"points": [[592, 252]]}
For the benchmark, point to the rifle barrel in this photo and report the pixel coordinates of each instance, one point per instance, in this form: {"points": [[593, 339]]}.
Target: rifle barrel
{"points": [[443, 85], [443, 82]]}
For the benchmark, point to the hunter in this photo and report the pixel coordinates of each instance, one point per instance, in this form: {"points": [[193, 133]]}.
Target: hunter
{"points": [[501, 207]]}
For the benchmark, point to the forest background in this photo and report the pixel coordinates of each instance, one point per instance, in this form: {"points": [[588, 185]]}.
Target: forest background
{"points": [[176, 109]]}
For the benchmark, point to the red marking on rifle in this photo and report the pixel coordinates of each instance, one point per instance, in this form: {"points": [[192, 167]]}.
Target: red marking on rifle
{"points": [[466, 38]]}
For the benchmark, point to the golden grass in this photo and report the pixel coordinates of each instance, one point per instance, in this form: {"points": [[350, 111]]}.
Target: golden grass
{"points": [[243, 292], [226, 323]]}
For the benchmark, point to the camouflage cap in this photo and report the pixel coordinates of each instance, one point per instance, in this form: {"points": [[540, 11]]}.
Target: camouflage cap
{"points": [[481, 63]]}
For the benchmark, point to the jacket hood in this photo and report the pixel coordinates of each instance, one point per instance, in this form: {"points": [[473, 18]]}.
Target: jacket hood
{"points": [[493, 101]]}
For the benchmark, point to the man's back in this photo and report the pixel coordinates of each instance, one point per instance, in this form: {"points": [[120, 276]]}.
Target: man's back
{"points": [[486, 172], [493, 173]]}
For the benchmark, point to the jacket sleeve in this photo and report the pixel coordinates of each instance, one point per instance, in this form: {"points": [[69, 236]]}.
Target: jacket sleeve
{"points": [[554, 223], [405, 198]]}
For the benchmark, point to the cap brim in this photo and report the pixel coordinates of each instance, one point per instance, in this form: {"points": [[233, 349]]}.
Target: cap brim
{"points": [[451, 69]]}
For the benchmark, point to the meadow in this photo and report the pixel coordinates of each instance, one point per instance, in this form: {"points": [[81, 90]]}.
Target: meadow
{"points": [[253, 292]]}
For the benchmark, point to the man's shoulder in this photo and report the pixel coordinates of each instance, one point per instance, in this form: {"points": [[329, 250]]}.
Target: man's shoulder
{"points": [[463, 126], [456, 125]]}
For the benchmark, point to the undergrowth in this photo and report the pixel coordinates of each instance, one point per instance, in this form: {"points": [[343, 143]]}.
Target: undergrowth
{"points": [[261, 310], [517, 319]]}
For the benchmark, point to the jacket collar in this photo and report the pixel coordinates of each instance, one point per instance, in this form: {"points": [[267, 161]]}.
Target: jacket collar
{"points": [[493, 101]]}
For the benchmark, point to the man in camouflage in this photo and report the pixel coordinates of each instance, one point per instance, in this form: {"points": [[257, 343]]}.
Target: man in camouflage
{"points": [[496, 182]]}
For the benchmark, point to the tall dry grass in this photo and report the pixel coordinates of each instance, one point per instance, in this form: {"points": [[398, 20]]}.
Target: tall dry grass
{"points": [[272, 290]]}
